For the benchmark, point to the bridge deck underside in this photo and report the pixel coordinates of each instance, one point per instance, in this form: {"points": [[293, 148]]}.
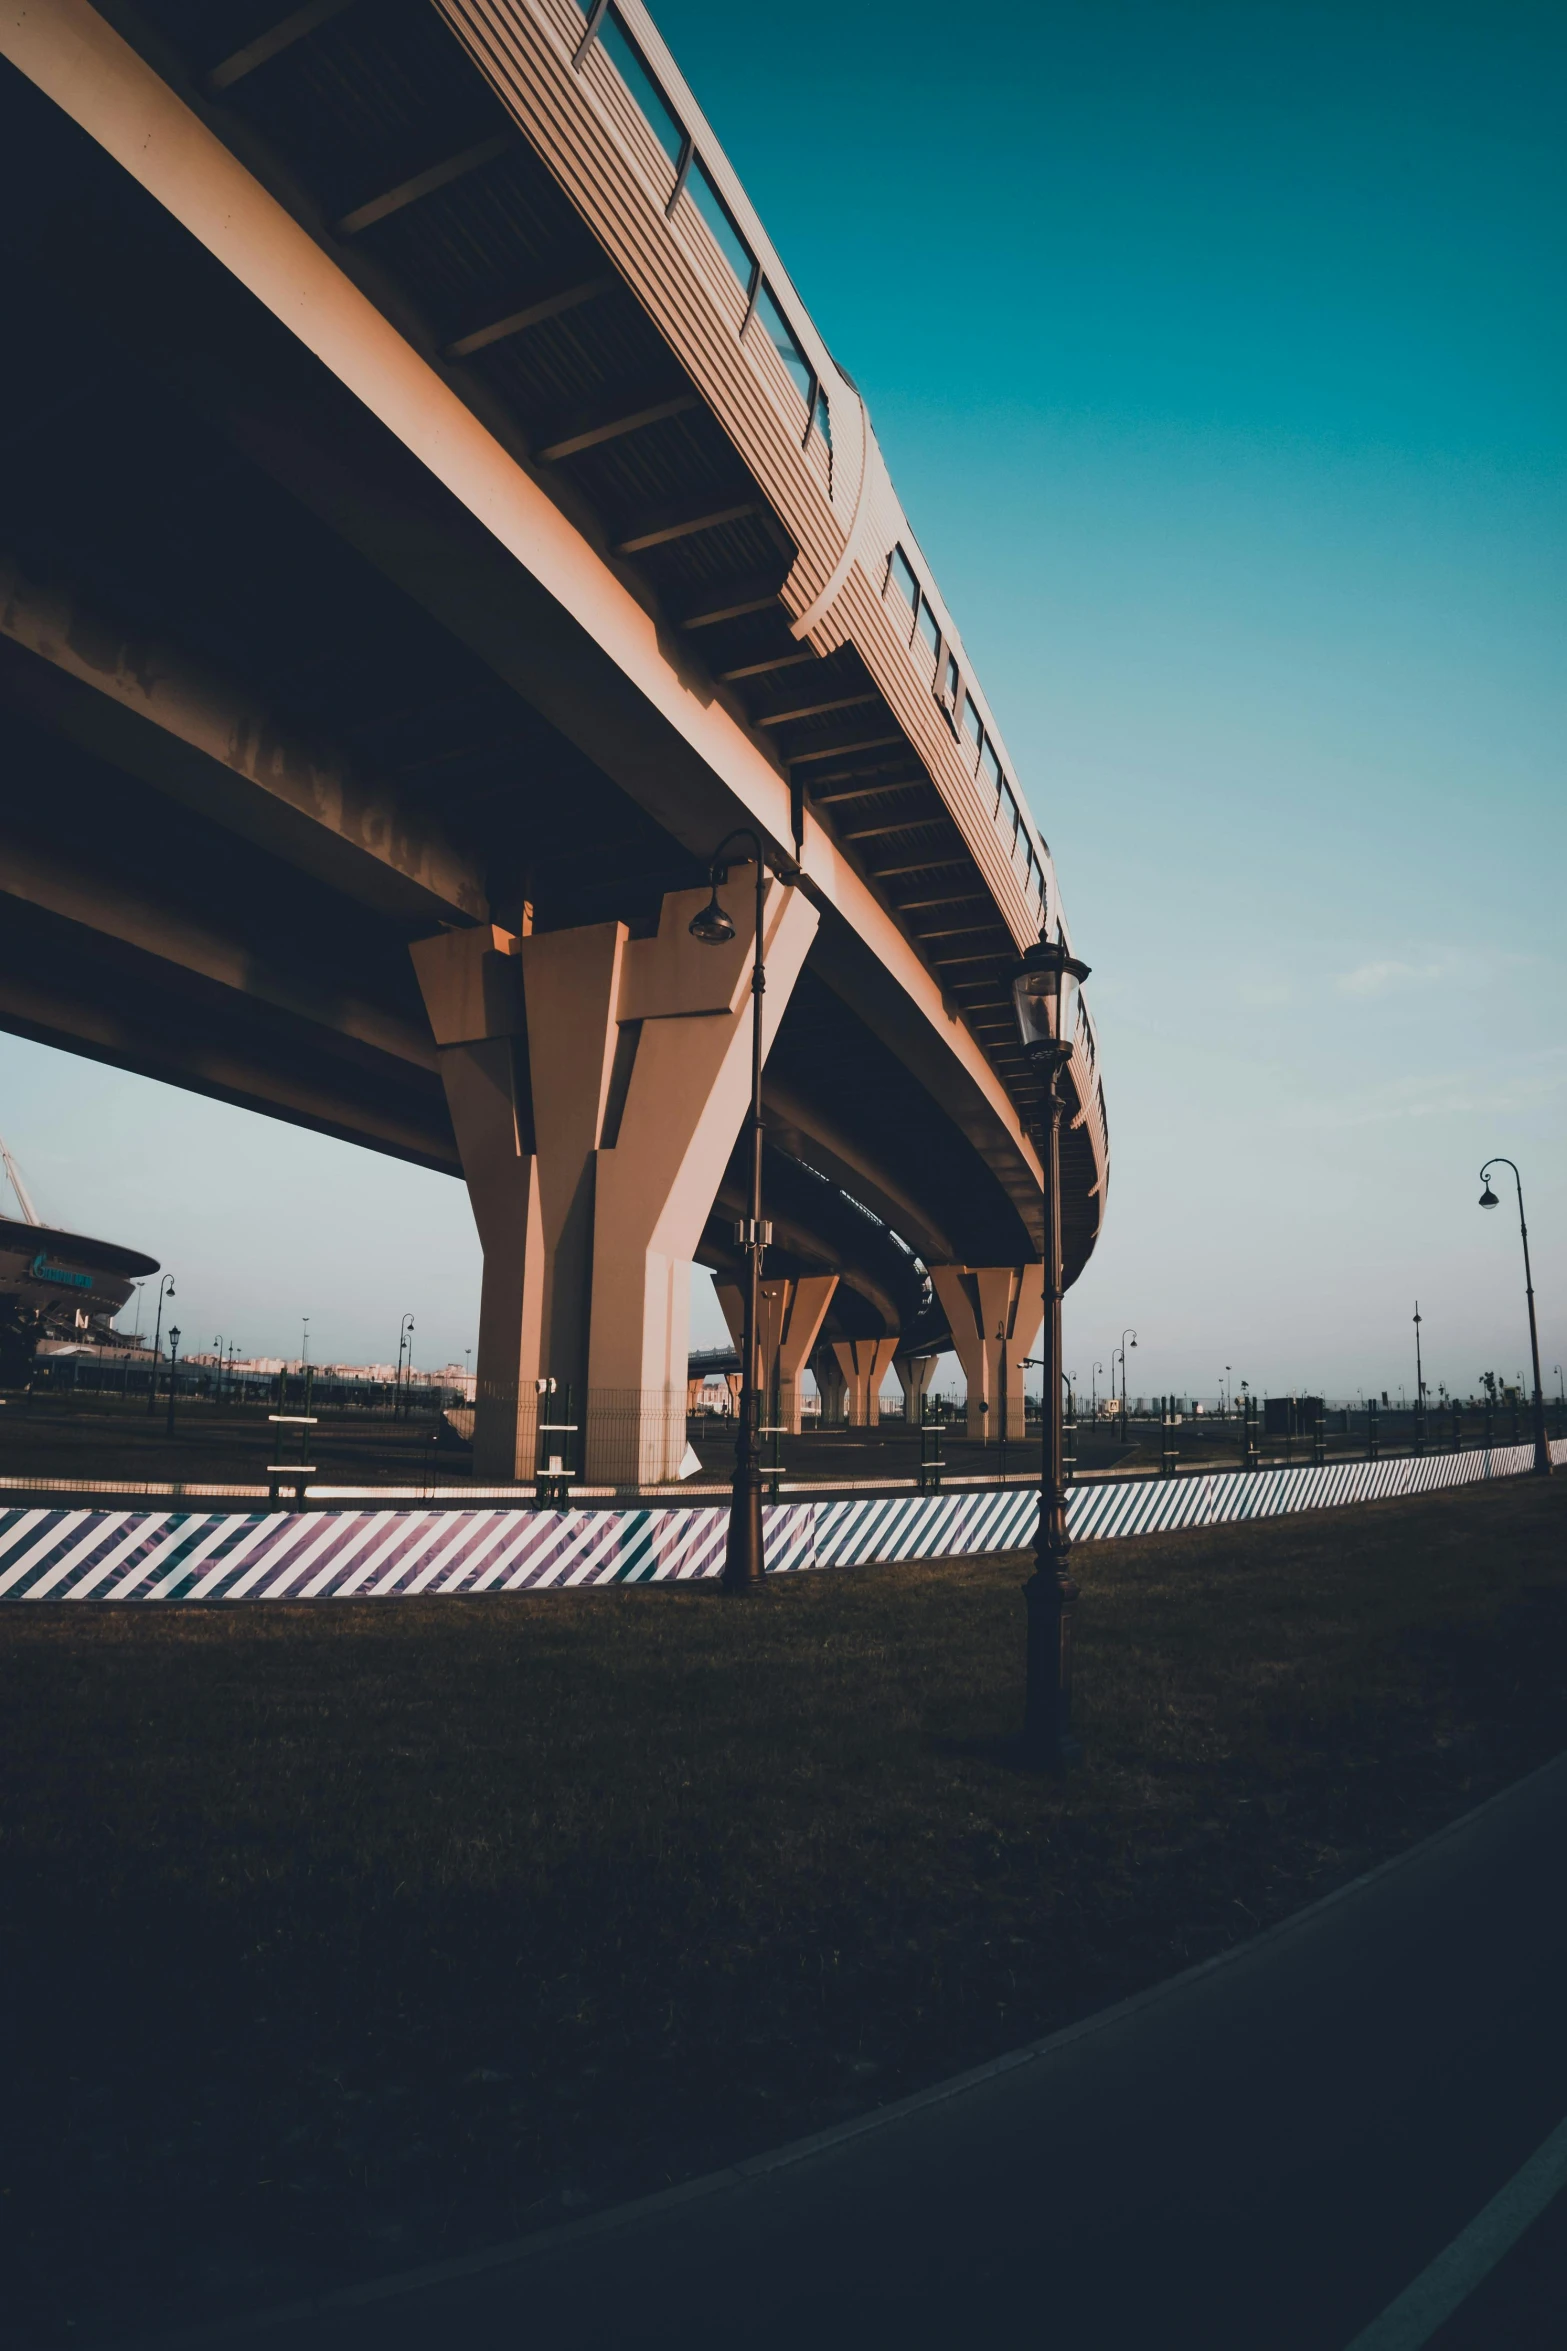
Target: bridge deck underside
{"points": [[190, 499]]}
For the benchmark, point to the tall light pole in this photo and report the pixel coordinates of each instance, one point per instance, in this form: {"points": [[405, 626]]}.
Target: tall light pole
{"points": [[1229, 1392], [745, 1564], [1046, 990], [1488, 1199], [1093, 1383], [217, 1349], [1420, 1389], [1126, 1432], [405, 1340], [165, 1290]]}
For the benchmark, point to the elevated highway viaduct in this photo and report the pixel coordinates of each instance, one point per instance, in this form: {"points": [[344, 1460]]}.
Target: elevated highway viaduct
{"points": [[430, 521]]}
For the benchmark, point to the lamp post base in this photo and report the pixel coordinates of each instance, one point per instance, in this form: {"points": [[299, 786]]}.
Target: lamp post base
{"points": [[745, 1567], [1048, 1742]]}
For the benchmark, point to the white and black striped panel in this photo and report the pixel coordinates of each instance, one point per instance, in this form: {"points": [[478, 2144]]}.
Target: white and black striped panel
{"points": [[126, 1555]]}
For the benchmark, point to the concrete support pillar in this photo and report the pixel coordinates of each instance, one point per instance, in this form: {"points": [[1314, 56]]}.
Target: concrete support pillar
{"points": [[793, 1311], [834, 1392], [596, 1085], [472, 984], [913, 1378], [863, 1364], [994, 1313], [682, 1086]]}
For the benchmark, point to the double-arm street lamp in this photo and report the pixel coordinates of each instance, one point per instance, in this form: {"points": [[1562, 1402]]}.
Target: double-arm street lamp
{"points": [[745, 1564], [1045, 993], [1488, 1199]]}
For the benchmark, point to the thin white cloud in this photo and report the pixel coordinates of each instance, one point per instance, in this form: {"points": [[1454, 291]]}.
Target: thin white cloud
{"points": [[1460, 1092], [1373, 979]]}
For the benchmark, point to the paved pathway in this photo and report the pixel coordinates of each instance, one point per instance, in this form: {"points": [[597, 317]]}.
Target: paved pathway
{"points": [[1259, 2156]]}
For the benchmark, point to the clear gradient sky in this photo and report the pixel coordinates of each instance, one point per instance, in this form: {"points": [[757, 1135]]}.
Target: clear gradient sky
{"points": [[1218, 355]]}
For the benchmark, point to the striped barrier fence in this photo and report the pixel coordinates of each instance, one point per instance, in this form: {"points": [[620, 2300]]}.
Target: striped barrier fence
{"points": [[131, 1555]]}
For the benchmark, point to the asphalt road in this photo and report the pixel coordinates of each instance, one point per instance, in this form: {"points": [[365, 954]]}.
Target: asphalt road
{"points": [[1261, 2154]]}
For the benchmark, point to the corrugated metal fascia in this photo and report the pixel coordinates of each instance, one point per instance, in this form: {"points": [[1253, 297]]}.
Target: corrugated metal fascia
{"points": [[651, 41], [922, 720], [902, 533], [530, 67]]}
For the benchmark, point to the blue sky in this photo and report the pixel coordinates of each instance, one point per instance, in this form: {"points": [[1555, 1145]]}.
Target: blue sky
{"points": [[1217, 353]]}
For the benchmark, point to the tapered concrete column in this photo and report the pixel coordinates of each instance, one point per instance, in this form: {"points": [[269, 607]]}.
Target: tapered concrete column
{"points": [[471, 981], [863, 1363], [913, 1378], [793, 1311], [994, 1313], [831, 1384], [596, 1085], [572, 983], [682, 1086]]}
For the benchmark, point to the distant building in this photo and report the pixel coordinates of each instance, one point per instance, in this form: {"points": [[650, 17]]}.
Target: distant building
{"points": [[1290, 1416]]}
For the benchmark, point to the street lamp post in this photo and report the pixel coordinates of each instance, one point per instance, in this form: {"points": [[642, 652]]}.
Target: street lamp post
{"points": [[1046, 987], [1488, 1199], [1126, 1429], [165, 1290], [745, 1564], [405, 1342], [174, 1364], [217, 1370], [1420, 1389]]}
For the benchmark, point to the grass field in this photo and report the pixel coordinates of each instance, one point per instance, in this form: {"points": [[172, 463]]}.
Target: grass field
{"points": [[336, 1939]]}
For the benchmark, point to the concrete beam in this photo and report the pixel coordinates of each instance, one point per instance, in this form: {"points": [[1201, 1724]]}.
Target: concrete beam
{"points": [[425, 183], [591, 431], [106, 1030], [111, 907], [209, 742], [533, 314], [273, 42]]}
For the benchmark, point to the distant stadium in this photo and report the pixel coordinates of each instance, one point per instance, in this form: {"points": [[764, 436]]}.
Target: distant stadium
{"points": [[56, 1285]]}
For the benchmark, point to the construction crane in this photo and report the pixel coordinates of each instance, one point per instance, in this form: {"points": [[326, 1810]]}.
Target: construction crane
{"points": [[14, 1178]]}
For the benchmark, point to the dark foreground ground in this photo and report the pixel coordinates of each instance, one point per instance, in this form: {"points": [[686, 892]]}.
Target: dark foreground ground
{"points": [[338, 1939]]}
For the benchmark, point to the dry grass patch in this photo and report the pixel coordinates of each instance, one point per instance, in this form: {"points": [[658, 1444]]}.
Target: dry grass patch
{"points": [[337, 1938]]}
